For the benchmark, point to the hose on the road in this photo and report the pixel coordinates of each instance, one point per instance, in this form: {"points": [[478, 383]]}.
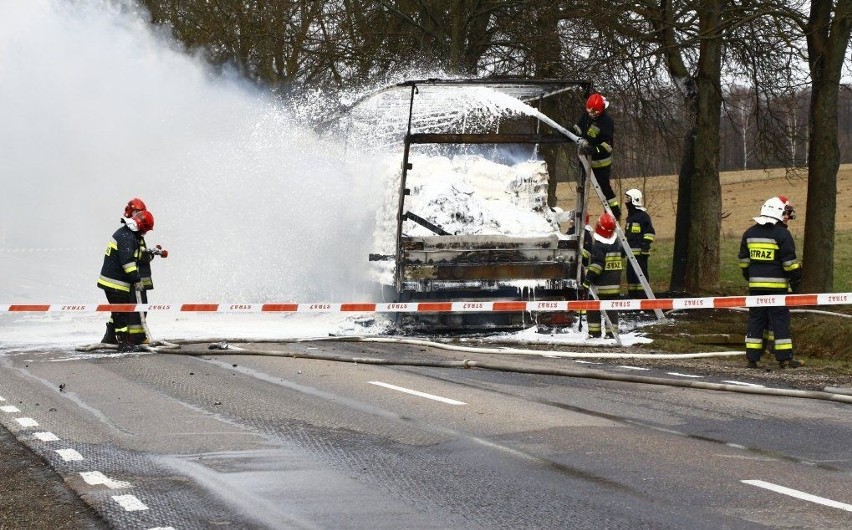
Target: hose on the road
{"points": [[223, 348]]}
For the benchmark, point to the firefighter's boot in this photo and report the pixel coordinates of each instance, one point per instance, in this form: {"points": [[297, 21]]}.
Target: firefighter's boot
{"points": [[109, 334], [125, 344]]}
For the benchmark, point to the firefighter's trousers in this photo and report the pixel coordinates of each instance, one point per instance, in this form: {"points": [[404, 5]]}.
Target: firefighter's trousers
{"points": [[775, 318]]}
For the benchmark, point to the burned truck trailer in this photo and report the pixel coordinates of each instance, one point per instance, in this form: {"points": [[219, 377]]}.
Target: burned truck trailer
{"points": [[439, 258]]}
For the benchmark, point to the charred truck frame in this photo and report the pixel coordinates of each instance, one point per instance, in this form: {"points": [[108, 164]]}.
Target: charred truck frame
{"points": [[445, 266]]}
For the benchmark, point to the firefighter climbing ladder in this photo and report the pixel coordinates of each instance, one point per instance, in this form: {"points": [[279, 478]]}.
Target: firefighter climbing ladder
{"points": [[590, 177], [580, 219]]}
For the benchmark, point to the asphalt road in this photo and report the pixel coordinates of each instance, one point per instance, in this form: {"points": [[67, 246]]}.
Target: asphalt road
{"points": [[264, 441]]}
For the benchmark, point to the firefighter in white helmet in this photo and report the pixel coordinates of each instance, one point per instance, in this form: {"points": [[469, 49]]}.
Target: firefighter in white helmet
{"points": [[767, 259], [639, 232]]}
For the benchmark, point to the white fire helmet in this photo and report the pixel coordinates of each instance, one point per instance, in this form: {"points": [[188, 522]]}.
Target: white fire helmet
{"points": [[634, 197], [772, 211]]}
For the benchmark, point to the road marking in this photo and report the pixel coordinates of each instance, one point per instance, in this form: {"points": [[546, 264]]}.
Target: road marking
{"points": [[95, 478], [46, 436], [633, 367], [799, 494], [683, 375], [27, 422], [10, 408], [69, 454], [743, 384], [418, 393], [129, 502]]}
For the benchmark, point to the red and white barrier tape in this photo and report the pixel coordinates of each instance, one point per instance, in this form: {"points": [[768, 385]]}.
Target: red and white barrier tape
{"points": [[790, 300]]}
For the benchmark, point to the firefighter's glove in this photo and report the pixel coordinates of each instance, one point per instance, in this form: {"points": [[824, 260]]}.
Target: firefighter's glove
{"points": [[795, 283], [585, 148], [138, 287]]}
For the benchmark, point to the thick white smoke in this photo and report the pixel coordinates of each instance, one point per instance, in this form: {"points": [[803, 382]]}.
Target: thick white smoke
{"points": [[97, 108]]}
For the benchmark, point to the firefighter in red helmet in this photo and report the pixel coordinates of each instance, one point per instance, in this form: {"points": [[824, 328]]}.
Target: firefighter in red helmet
{"points": [[596, 130], [120, 276], [136, 331], [604, 272]]}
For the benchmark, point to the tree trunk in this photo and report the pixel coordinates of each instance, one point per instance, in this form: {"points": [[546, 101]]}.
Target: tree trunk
{"points": [[684, 200], [702, 260], [827, 42]]}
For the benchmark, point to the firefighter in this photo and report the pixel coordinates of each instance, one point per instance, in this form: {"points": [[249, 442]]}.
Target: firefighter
{"points": [[132, 207], [120, 278], [767, 259], [604, 272], [596, 129], [768, 334], [639, 231]]}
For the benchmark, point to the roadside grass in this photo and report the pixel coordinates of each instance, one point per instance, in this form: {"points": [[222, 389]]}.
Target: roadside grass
{"points": [[823, 338], [731, 282]]}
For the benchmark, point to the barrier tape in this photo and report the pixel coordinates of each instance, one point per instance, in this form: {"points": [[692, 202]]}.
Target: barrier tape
{"points": [[790, 300]]}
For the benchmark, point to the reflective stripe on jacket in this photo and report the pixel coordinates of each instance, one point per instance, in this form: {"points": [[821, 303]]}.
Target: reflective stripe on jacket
{"points": [[768, 257], [639, 231], [119, 270], [605, 266], [599, 133]]}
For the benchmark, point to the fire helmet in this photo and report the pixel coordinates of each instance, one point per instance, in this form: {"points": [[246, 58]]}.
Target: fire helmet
{"points": [[634, 197], [144, 221], [771, 212], [789, 211], [605, 228], [596, 102], [134, 205]]}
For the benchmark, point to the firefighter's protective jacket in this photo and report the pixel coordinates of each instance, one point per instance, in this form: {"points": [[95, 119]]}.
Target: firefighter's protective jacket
{"points": [[599, 133], [639, 231], [767, 257], [120, 269], [145, 258], [605, 265]]}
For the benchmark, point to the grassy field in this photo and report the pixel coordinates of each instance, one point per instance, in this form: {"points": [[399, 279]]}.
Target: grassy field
{"points": [[826, 340]]}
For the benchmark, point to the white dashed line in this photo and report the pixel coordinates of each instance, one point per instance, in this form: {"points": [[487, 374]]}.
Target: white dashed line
{"points": [[676, 374], [418, 393], [799, 494], [634, 367], [129, 503], [95, 478], [27, 422], [69, 455], [742, 384]]}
